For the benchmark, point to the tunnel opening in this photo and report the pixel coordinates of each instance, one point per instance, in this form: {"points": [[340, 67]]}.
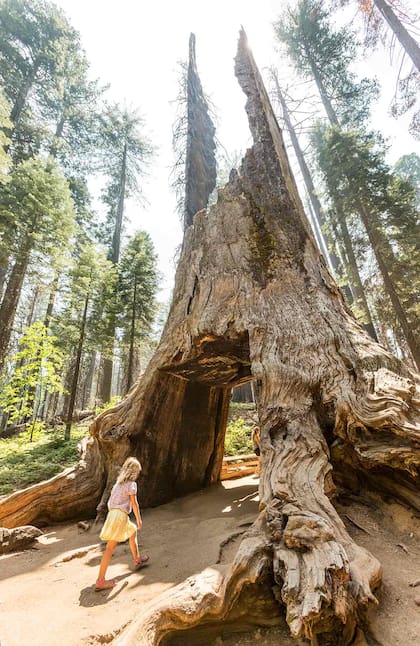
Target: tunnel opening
{"points": [[192, 398]]}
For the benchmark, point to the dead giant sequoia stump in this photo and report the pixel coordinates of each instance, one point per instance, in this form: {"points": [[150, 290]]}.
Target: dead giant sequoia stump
{"points": [[253, 299]]}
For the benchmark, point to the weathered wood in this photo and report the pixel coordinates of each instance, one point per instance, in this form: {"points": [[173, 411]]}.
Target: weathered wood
{"points": [[19, 538], [253, 298], [237, 466], [200, 155]]}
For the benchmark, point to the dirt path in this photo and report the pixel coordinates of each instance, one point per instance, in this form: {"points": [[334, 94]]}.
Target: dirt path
{"points": [[48, 601]]}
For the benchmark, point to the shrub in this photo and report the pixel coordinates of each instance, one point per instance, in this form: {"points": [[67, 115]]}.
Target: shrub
{"points": [[23, 463], [238, 437]]}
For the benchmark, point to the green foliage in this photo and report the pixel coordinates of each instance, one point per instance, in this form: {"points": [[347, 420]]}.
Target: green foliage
{"points": [[36, 209], [408, 168], [125, 153], [121, 132], [238, 437], [113, 402], [34, 43], [356, 173], [91, 276], [324, 54], [37, 364], [137, 271], [23, 464]]}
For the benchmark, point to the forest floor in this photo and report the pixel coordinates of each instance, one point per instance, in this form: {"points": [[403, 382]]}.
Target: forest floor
{"points": [[47, 596]]}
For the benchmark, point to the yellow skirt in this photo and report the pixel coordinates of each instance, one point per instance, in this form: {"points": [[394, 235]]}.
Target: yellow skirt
{"points": [[117, 526]]}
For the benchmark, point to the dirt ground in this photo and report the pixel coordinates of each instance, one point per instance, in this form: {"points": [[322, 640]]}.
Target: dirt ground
{"points": [[47, 598]]}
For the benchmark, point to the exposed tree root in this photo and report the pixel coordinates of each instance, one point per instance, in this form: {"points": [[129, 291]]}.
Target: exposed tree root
{"points": [[209, 597]]}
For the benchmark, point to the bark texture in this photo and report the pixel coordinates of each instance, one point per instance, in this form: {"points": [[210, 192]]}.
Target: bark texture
{"points": [[200, 161], [14, 540], [253, 299]]}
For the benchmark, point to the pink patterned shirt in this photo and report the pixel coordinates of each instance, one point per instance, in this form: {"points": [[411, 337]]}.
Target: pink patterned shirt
{"points": [[120, 496]]}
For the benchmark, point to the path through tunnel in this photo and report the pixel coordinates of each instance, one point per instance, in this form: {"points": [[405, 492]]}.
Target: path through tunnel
{"points": [[191, 402]]}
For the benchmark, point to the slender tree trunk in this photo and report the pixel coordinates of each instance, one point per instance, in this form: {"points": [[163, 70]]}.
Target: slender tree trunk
{"points": [[47, 321], [130, 366], [51, 299], [20, 102], [76, 369], [380, 245], [357, 287], [58, 135], [30, 317], [331, 113], [408, 43], [53, 401], [87, 390], [116, 239], [307, 178], [106, 382], [4, 264], [11, 298]]}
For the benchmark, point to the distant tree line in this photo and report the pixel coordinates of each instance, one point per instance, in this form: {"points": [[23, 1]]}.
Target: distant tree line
{"points": [[365, 213], [77, 296]]}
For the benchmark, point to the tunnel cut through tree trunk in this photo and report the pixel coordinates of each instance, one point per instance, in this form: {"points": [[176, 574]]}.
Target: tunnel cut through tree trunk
{"points": [[253, 298]]}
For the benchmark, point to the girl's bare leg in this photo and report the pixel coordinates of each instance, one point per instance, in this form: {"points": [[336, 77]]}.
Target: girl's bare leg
{"points": [[138, 560], [106, 558], [134, 547]]}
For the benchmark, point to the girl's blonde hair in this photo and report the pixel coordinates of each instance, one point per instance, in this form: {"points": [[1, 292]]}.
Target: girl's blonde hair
{"points": [[130, 470]]}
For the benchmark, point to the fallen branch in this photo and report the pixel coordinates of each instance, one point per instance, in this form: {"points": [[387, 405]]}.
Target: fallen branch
{"points": [[403, 547], [363, 529]]}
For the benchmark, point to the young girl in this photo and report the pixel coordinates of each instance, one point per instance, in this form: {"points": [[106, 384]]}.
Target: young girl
{"points": [[118, 526]]}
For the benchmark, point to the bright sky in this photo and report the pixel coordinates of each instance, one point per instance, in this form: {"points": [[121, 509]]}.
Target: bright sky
{"points": [[135, 47]]}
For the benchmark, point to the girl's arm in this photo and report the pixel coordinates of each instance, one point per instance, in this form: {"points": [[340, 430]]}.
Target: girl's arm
{"points": [[136, 510]]}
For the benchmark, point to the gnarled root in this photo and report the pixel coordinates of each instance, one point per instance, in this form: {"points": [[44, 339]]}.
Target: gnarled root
{"points": [[325, 580], [210, 597]]}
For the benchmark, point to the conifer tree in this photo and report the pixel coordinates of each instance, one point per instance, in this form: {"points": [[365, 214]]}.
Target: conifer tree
{"points": [[128, 152], [137, 286], [323, 54], [36, 211]]}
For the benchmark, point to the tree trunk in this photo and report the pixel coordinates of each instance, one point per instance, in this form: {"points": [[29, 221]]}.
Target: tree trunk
{"points": [[307, 178], [353, 270], [254, 300], [11, 298], [51, 299], [4, 265], [332, 116], [357, 287], [58, 134], [358, 291], [20, 102], [407, 41], [87, 390], [116, 239], [106, 381], [243, 394], [200, 160], [76, 369], [379, 245], [130, 366]]}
